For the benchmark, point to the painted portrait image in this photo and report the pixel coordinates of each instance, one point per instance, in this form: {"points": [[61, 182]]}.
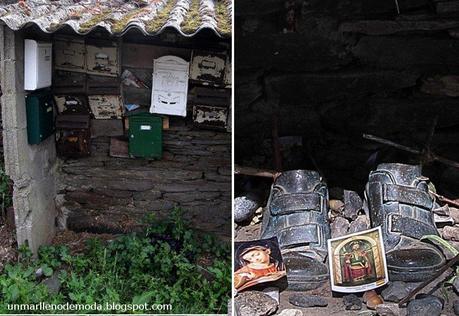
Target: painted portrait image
{"points": [[257, 262], [357, 261]]}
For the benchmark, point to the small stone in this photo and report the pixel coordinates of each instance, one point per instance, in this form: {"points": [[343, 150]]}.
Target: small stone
{"points": [[291, 312], [254, 303], [456, 284], [395, 291], [372, 299], [352, 204], [244, 207], [272, 292], [52, 283], [425, 305], [302, 300], [451, 232], [361, 223], [352, 302], [388, 309], [339, 227], [456, 307], [39, 273], [336, 206]]}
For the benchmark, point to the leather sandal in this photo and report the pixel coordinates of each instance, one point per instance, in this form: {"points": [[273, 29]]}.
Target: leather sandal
{"points": [[296, 214], [397, 198]]}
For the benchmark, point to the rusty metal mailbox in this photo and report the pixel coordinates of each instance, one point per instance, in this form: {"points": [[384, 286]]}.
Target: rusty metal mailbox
{"points": [[106, 107], [211, 107], [208, 67], [70, 54], [69, 82], [102, 60], [73, 135], [71, 104]]}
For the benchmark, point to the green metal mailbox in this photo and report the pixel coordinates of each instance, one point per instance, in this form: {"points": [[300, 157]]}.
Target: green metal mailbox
{"points": [[40, 116], [145, 135]]}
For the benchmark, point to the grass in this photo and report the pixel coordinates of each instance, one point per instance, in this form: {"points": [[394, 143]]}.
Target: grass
{"points": [[162, 265]]}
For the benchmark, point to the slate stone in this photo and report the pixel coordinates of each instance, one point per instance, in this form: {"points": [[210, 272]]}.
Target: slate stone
{"points": [[395, 291], [303, 300], [291, 312], [425, 305], [296, 89], [52, 283], [456, 307], [339, 227], [352, 204], [352, 302], [405, 52], [385, 27], [388, 309], [361, 223], [245, 207], [253, 303]]}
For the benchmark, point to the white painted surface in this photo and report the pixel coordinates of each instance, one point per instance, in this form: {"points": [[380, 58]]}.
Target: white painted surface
{"points": [[37, 64]]}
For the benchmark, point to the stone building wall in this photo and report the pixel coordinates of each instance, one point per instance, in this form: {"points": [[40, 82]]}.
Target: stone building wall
{"points": [[349, 68], [106, 194]]}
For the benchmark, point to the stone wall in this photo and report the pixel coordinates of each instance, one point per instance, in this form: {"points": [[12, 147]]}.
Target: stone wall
{"points": [[106, 194], [351, 67]]}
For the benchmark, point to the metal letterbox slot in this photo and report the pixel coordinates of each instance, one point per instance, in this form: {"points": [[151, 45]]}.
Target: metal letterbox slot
{"points": [[211, 117], [73, 135], [208, 67], [69, 82], [210, 96], [68, 104], [103, 85], [170, 86], [70, 54], [106, 106], [102, 60], [40, 116]]}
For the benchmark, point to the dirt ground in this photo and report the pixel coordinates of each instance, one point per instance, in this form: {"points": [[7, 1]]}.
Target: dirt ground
{"points": [[335, 300]]}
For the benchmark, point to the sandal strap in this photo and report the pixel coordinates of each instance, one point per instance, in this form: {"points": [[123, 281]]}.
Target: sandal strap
{"points": [[297, 202], [409, 227], [299, 236], [407, 195]]}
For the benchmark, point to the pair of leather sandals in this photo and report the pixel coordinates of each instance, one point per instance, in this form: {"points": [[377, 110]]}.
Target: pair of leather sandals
{"points": [[396, 198]]}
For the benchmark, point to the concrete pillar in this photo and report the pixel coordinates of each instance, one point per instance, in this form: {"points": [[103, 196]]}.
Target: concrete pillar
{"points": [[31, 167]]}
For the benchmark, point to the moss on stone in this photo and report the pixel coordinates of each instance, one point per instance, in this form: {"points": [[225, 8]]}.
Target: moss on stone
{"points": [[120, 24], [193, 18], [222, 17], [86, 26], [160, 19]]}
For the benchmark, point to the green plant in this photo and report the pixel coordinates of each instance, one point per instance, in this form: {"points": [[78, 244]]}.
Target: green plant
{"points": [[159, 265]]}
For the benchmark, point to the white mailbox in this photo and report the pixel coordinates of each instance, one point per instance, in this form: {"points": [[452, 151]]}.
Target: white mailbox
{"points": [[37, 64], [170, 86]]}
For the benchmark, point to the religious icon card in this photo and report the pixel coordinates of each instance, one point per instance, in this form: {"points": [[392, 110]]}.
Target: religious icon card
{"points": [[357, 261], [256, 262]]}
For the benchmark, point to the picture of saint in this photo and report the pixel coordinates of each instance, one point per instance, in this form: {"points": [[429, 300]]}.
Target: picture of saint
{"points": [[257, 262], [357, 265], [357, 261]]}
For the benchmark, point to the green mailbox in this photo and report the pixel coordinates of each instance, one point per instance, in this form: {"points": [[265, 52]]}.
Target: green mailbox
{"points": [[40, 116], [145, 135]]}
